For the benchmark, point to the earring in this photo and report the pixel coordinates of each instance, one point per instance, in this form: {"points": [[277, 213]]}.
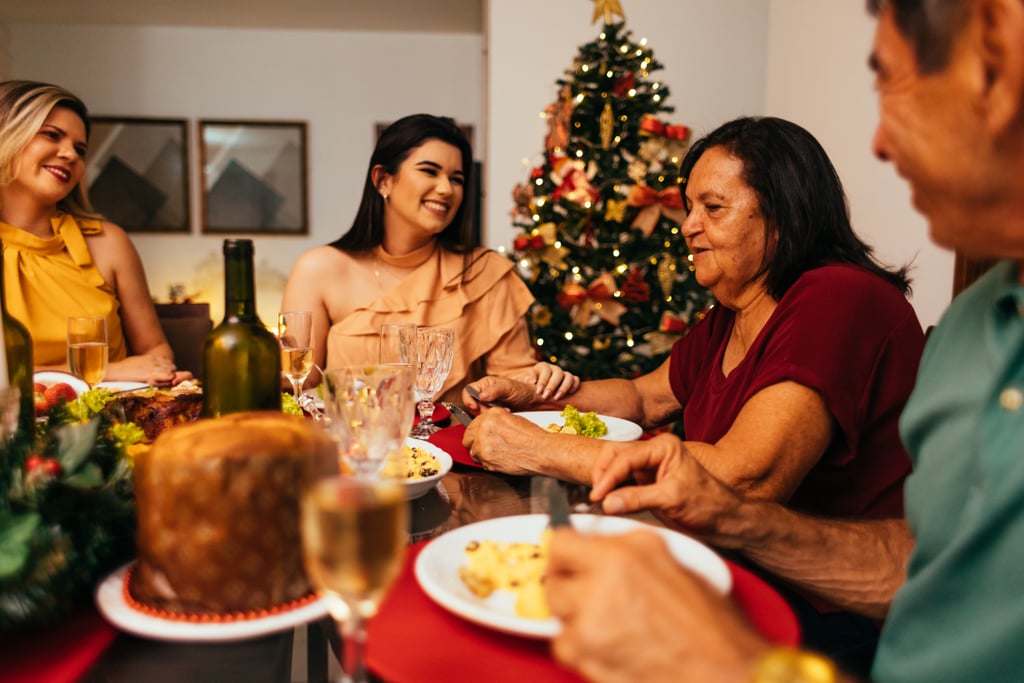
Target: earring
{"points": [[384, 195]]}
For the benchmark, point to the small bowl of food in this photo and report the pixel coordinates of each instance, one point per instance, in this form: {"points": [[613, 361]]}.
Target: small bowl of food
{"points": [[420, 466]]}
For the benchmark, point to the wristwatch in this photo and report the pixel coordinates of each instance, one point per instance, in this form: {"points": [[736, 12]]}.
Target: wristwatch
{"points": [[788, 665]]}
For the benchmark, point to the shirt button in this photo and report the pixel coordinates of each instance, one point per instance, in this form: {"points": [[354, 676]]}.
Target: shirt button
{"points": [[1011, 399]]}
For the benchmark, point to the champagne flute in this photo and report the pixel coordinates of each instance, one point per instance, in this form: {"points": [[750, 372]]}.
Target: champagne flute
{"points": [[435, 347], [87, 348], [370, 409], [354, 533], [294, 330]]}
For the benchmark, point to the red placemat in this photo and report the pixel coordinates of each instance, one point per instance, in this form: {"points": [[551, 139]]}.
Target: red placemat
{"points": [[449, 440], [61, 654], [414, 639]]}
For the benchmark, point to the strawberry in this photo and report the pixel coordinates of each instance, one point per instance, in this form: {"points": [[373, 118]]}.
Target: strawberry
{"points": [[39, 387], [58, 392], [42, 405], [39, 466]]}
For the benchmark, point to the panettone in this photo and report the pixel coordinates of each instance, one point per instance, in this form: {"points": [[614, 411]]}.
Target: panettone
{"points": [[218, 512]]}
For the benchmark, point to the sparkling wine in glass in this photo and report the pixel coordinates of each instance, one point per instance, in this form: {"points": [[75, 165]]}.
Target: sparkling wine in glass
{"points": [[87, 348], [369, 409], [435, 347], [294, 331], [354, 533]]}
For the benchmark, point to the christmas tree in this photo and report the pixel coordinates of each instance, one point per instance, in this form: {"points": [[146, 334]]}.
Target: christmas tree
{"points": [[601, 247]]}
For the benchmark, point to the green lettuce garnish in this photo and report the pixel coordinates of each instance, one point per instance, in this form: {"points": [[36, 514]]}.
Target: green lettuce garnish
{"points": [[585, 424], [89, 404], [289, 406]]}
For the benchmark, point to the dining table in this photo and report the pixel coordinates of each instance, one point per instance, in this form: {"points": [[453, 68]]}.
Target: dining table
{"points": [[411, 639]]}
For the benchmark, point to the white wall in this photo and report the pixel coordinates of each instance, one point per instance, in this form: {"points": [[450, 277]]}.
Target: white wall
{"points": [[714, 66], [818, 77], [340, 83]]}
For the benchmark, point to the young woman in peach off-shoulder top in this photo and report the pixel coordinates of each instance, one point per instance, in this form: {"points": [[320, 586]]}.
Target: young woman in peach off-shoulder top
{"points": [[408, 258]]}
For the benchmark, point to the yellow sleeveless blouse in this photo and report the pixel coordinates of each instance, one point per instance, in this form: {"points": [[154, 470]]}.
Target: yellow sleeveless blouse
{"points": [[46, 281]]}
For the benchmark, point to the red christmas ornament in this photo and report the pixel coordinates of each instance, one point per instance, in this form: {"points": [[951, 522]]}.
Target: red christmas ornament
{"points": [[623, 84], [521, 242], [635, 289]]}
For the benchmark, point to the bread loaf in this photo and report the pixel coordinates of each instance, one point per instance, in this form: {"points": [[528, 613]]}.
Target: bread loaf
{"points": [[218, 512]]}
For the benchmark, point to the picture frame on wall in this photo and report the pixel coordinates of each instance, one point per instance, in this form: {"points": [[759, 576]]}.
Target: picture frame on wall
{"points": [[254, 177], [137, 172]]}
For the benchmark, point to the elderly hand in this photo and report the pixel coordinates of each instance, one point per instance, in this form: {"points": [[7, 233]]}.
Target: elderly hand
{"points": [[503, 391], [669, 482], [501, 441], [630, 613]]}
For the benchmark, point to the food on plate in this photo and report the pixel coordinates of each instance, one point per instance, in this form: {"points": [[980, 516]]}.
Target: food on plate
{"points": [[157, 410], [584, 424], [217, 505], [413, 463], [46, 397], [515, 566]]}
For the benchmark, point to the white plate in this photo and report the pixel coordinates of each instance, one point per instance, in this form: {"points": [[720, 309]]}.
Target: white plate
{"points": [[123, 386], [51, 377], [618, 429], [437, 567], [414, 488], [111, 603]]}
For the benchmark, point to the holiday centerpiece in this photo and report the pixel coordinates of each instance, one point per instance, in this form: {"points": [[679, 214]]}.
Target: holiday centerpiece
{"points": [[66, 515]]}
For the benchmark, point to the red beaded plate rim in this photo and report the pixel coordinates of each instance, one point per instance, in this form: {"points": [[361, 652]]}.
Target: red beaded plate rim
{"points": [[196, 618]]}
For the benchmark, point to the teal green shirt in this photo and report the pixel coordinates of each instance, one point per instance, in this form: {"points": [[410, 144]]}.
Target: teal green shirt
{"points": [[960, 615]]}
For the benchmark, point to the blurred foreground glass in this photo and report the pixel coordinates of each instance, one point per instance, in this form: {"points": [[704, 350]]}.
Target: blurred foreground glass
{"points": [[294, 332], [87, 349], [398, 343], [435, 347], [369, 410], [354, 533]]}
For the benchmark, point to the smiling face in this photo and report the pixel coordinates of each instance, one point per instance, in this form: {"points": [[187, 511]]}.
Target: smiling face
{"points": [[53, 161], [932, 128], [424, 195], [725, 229]]}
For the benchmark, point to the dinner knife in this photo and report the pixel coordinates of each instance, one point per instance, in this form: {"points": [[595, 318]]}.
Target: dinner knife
{"points": [[457, 411], [551, 491]]}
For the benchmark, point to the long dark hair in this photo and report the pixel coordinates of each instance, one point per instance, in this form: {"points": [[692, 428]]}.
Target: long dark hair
{"points": [[801, 199], [393, 147]]}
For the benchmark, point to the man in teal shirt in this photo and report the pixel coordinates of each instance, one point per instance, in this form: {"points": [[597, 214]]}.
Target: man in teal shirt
{"points": [[950, 82]]}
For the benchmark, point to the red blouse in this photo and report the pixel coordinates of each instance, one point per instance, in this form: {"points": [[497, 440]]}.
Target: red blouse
{"points": [[850, 336]]}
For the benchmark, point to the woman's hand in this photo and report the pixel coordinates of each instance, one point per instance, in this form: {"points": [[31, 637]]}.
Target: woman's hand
{"points": [[500, 391], [152, 368], [552, 382], [629, 612]]}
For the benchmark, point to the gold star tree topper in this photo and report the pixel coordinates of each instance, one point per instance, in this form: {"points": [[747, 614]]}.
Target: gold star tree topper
{"points": [[608, 9]]}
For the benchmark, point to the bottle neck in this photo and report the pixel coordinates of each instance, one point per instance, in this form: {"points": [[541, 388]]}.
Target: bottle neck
{"points": [[239, 285]]}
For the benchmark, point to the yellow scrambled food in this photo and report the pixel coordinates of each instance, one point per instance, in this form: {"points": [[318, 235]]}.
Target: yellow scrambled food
{"points": [[516, 567], [414, 463]]}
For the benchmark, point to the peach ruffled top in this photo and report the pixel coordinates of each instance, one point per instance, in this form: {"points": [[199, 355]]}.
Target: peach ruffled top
{"points": [[478, 294], [46, 281]]}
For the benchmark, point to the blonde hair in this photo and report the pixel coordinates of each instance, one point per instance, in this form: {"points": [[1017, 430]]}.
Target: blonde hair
{"points": [[24, 106]]}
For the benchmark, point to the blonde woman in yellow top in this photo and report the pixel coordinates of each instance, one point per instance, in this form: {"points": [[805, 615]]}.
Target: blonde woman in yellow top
{"points": [[60, 258]]}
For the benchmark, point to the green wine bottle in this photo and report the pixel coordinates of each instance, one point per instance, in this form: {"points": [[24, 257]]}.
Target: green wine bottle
{"points": [[241, 358], [18, 346]]}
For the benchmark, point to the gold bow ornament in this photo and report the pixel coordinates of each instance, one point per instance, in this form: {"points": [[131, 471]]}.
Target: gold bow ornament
{"points": [[596, 300], [655, 204]]}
